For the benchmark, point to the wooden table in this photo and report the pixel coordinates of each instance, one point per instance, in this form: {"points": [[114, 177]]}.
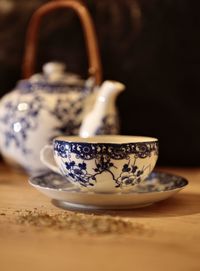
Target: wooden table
{"points": [[171, 240]]}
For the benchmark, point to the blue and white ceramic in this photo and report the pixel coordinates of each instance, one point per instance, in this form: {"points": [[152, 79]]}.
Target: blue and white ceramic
{"points": [[103, 163], [157, 187], [51, 104]]}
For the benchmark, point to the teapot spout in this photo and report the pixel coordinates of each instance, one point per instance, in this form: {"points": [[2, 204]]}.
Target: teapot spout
{"points": [[110, 89], [104, 108]]}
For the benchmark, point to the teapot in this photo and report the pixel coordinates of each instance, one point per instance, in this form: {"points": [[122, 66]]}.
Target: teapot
{"points": [[55, 102]]}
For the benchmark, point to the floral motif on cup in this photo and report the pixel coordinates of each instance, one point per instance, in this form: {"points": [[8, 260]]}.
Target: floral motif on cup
{"points": [[89, 151], [130, 175], [78, 172], [104, 156]]}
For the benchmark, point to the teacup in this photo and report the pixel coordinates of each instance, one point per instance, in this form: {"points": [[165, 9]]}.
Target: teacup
{"points": [[102, 163]]}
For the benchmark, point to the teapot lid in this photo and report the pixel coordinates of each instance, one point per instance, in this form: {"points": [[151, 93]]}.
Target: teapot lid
{"points": [[53, 77]]}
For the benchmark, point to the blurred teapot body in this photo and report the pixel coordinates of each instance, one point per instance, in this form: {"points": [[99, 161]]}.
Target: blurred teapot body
{"points": [[44, 106]]}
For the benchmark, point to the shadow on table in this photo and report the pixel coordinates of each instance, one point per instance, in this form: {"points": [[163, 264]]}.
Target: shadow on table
{"points": [[179, 205]]}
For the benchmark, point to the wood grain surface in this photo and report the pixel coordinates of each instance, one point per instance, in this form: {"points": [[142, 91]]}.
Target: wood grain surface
{"points": [[170, 239]]}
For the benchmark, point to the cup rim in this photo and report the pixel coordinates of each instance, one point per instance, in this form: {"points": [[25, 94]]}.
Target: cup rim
{"points": [[107, 139]]}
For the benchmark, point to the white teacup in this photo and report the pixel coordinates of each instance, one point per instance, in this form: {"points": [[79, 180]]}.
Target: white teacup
{"points": [[102, 163]]}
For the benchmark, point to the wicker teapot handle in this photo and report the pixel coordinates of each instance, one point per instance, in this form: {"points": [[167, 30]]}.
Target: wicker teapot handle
{"points": [[95, 69]]}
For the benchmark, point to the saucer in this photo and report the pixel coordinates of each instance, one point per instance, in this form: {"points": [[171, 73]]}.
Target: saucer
{"points": [[157, 187]]}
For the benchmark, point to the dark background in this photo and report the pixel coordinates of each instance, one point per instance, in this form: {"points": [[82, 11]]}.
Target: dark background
{"points": [[159, 63]]}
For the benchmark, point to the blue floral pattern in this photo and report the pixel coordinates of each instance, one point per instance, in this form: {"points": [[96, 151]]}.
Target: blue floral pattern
{"points": [[67, 112], [89, 151], [25, 86], [18, 123], [104, 156], [155, 182]]}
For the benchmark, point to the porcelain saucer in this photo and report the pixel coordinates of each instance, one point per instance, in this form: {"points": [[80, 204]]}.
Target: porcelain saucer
{"points": [[157, 187]]}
